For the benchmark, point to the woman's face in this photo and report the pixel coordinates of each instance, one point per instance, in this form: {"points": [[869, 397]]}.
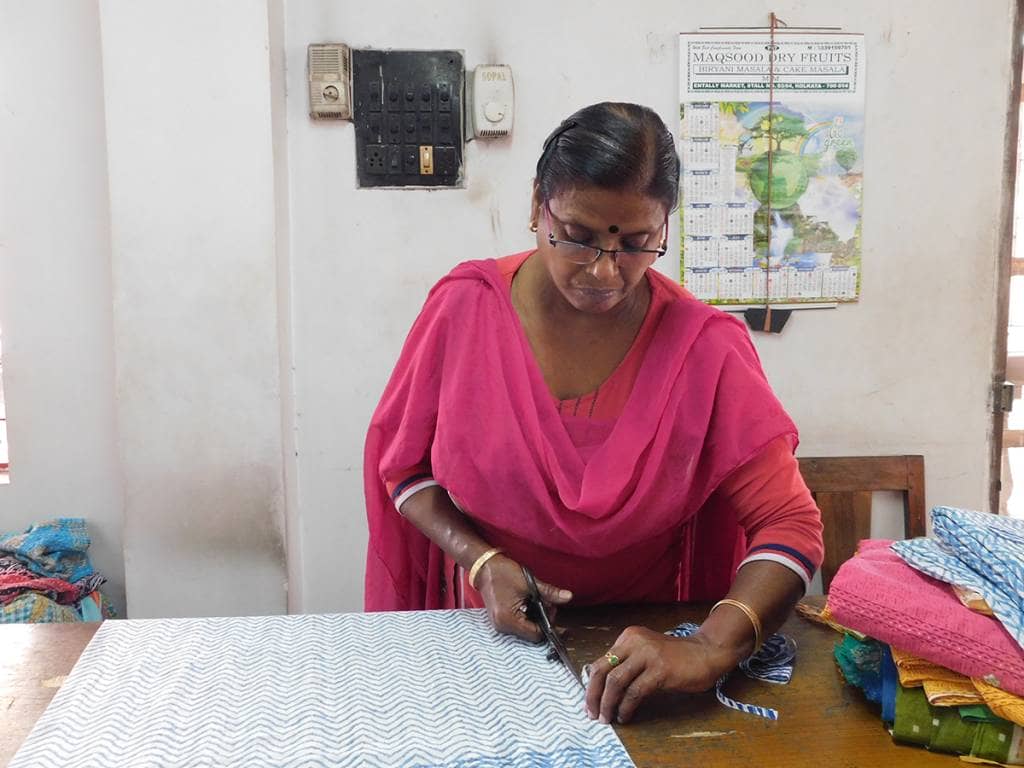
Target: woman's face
{"points": [[602, 218]]}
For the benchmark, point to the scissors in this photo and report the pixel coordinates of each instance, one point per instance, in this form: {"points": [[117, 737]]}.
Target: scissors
{"points": [[536, 613]]}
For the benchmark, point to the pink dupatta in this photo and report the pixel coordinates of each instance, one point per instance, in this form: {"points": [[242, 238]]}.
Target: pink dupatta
{"points": [[468, 393]]}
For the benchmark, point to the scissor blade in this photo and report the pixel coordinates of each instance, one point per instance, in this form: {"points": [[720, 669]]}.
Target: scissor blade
{"points": [[538, 613], [563, 655]]}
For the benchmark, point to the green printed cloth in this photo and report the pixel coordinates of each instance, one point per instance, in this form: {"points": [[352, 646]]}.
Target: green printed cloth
{"points": [[943, 729], [978, 713], [951, 732], [914, 723], [1000, 741]]}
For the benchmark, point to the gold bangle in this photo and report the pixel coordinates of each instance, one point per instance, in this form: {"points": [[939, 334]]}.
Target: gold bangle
{"points": [[749, 612], [479, 563]]}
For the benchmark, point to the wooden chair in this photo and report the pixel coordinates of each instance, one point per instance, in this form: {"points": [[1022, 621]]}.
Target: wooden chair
{"points": [[842, 487]]}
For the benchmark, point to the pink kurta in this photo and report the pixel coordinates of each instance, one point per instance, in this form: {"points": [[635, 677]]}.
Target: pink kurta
{"points": [[616, 509]]}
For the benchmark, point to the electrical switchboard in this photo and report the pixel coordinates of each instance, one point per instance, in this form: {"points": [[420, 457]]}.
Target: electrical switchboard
{"points": [[407, 110]]}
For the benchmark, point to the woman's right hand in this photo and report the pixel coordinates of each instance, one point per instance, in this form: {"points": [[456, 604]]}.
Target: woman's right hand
{"points": [[503, 587]]}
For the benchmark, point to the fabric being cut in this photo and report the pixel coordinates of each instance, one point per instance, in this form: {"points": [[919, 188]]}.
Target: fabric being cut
{"points": [[977, 551], [402, 689]]}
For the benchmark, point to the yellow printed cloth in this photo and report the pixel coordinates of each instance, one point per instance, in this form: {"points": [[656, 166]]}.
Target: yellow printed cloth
{"points": [[822, 615], [950, 693], [913, 670], [973, 599], [1006, 705]]}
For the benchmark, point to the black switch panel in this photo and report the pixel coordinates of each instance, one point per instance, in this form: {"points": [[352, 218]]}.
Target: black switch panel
{"points": [[404, 101]]}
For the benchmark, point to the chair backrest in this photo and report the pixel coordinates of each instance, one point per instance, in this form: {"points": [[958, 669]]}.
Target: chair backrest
{"points": [[842, 488]]}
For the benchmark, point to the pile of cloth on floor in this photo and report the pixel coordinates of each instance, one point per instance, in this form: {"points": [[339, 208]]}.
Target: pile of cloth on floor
{"points": [[46, 575], [933, 631]]}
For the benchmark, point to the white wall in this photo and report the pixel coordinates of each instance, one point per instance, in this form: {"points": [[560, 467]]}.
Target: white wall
{"points": [[55, 286], [195, 305], [904, 371], [908, 369], [140, 289]]}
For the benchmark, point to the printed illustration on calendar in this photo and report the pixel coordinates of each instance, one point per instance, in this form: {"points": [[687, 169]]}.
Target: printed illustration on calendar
{"points": [[771, 189]]}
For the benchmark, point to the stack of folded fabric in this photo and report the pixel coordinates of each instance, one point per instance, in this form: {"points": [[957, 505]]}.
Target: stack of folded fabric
{"points": [[935, 634], [46, 576]]}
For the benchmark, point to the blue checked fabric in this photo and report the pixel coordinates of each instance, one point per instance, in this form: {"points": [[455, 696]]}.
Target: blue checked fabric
{"points": [[978, 551]]}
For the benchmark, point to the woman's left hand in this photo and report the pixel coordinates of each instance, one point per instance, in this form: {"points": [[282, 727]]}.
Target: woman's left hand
{"points": [[642, 662]]}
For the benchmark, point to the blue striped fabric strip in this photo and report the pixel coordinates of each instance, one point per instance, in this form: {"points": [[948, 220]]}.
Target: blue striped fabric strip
{"points": [[773, 663], [751, 709]]}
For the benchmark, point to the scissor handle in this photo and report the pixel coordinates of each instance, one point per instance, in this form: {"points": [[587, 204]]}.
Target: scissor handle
{"points": [[536, 612], [531, 583]]}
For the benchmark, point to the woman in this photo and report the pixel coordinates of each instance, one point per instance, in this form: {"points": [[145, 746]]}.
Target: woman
{"points": [[572, 410]]}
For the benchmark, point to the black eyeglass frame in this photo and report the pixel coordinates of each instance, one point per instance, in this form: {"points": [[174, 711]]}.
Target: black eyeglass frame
{"points": [[614, 253]]}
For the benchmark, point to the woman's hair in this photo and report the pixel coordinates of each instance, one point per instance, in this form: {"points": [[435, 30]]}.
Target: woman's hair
{"points": [[613, 146]]}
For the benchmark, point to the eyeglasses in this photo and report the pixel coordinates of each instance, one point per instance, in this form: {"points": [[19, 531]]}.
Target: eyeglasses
{"points": [[583, 254]]}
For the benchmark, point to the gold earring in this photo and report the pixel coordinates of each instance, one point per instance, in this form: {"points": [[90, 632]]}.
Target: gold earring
{"points": [[533, 226]]}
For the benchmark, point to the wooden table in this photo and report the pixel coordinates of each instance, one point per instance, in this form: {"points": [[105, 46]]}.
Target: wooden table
{"points": [[821, 720]]}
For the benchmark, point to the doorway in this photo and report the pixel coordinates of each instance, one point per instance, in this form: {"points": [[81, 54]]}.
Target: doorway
{"points": [[1008, 426]]}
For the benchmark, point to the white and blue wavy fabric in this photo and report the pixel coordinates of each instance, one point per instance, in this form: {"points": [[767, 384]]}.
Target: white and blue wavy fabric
{"points": [[415, 689], [979, 551]]}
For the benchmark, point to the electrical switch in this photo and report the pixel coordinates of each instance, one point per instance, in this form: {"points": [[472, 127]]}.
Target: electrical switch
{"points": [[426, 161]]}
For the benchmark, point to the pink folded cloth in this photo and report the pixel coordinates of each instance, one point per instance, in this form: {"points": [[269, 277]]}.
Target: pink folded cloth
{"points": [[878, 594]]}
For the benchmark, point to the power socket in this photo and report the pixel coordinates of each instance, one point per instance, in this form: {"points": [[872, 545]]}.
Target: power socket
{"points": [[376, 158]]}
